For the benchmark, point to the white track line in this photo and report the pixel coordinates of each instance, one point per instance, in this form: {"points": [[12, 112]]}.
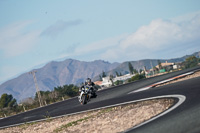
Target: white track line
{"points": [[142, 89], [166, 96], [161, 82], [181, 100]]}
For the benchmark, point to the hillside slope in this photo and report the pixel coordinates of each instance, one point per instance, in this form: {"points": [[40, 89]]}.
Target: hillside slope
{"points": [[55, 74], [124, 69]]}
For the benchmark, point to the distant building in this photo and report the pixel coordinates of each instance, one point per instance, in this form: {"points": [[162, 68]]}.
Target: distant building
{"points": [[98, 83], [166, 64], [169, 66], [175, 67], [106, 82], [123, 78]]}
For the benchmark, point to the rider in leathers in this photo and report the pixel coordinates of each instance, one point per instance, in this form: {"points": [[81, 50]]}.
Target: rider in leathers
{"points": [[92, 85]]}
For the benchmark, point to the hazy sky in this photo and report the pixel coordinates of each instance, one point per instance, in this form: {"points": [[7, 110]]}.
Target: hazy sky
{"points": [[34, 32]]}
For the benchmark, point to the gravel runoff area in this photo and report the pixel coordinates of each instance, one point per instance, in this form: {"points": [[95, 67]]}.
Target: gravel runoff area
{"points": [[115, 119]]}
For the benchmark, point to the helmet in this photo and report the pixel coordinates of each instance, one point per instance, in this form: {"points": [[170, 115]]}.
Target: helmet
{"points": [[88, 80]]}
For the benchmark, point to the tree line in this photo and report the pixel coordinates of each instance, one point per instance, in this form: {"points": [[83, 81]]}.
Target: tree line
{"points": [[9, 105], [189, 62]]}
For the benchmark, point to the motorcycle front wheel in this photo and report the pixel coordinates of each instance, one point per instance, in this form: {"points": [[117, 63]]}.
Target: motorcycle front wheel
{"points": [[84, 99]]}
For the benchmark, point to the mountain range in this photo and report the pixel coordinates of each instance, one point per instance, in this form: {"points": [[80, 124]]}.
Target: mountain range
{"points": [[148, 63], [54, 74], [69, 71]]}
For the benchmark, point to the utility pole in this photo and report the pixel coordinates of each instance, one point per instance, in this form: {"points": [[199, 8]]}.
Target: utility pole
{"points": [[152, 67], [24, 108], [37, 88], [199, 56]]}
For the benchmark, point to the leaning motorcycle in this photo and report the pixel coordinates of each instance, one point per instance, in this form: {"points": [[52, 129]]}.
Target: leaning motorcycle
{"points": [[85, 94]]}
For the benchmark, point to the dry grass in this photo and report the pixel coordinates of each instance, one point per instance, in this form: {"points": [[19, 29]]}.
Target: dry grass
{"points": [[115, 119]]}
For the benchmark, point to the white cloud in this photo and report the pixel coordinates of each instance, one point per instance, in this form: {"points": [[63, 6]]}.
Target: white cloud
{"points": [[101, 45], [60, 26], [186, 17], [159, 39], [15, 40], [93, 50]]}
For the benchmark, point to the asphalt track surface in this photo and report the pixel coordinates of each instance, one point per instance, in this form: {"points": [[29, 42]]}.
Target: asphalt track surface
{"points": [[184, 119]]}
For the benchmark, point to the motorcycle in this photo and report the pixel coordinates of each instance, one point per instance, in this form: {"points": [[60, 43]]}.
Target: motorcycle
{"points": [[85, 94]]}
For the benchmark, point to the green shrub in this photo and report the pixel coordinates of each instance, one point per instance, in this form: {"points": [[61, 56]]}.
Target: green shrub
{"points": [[138, 77]]}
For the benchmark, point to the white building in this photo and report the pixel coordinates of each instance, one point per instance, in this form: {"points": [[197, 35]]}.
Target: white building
{"points": [[106, 82], [124, 77]]}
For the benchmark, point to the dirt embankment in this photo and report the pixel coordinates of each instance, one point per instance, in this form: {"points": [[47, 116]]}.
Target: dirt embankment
{"points": [[115, 119]]}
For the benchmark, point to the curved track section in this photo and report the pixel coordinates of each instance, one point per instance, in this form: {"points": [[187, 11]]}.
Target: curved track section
{"points": [[188, 111], [180, 98]]}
